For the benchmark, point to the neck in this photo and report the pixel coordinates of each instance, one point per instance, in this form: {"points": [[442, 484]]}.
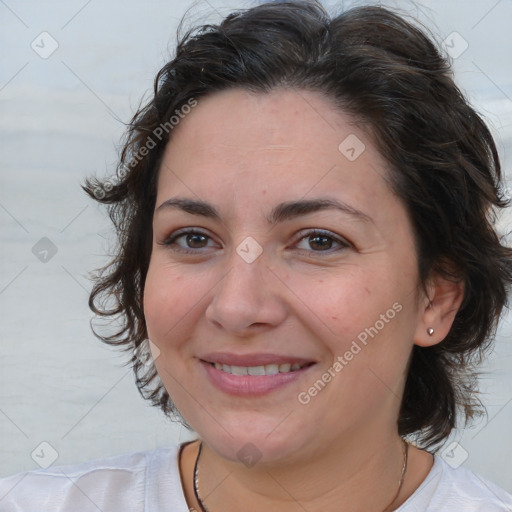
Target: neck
{"points": [[359, 476]]}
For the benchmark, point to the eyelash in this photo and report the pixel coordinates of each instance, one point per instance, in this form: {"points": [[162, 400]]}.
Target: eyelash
{"points": [[170, 241]]}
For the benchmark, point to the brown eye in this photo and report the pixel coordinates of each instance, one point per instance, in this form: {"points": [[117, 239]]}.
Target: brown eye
{"points": [[189, 241], [195, 240], [321, 241]]}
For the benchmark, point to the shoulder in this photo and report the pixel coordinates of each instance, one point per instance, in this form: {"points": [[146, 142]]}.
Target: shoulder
{"points": [[114, 483], [448, 489]]}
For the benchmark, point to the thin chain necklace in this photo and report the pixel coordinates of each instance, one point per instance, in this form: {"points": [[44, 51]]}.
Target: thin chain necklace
{"points": [[204, 508]]}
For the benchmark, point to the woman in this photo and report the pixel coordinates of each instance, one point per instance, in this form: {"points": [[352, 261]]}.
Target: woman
{"points": [[306, 249]]}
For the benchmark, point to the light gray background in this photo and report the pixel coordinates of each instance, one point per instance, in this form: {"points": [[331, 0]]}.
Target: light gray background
{"points": [[59, 121]]}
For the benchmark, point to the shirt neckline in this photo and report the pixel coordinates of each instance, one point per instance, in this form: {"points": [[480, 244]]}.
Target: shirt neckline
{"points": [[435, 470]]}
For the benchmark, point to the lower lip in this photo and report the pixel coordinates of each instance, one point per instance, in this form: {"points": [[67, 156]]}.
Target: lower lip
{"points": [[250, 385]]}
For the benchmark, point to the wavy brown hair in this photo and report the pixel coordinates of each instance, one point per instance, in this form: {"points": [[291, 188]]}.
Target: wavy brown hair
{"points": [[390, 75]]}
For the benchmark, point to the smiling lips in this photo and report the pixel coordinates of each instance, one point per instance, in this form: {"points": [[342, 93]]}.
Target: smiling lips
{"points": [[268, 369], [256, 374]]}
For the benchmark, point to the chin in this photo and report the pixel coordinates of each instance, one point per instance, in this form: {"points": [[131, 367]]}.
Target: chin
{"points": [[251, 445]]}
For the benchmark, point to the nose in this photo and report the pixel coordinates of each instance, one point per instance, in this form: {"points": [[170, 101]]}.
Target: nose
{"points": [[249, 298]]}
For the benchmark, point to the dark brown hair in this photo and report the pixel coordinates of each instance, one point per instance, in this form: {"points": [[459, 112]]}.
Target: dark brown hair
{"points": [[391, 77]]}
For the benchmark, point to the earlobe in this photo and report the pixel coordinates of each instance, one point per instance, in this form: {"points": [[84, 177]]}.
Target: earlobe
{"points": [[442, 302]]}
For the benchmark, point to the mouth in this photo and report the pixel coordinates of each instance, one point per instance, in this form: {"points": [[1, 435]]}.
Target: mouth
{"points": [[253, 375], [267, 369]]}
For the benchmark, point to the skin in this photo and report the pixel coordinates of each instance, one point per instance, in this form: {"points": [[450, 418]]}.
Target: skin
{"points": [[244, 153]]}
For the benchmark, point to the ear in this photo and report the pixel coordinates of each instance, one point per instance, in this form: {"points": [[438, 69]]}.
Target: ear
{"points": [[438, 308]]}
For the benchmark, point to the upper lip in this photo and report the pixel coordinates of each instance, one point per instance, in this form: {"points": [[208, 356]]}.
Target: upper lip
{"points": [[252, 359]]}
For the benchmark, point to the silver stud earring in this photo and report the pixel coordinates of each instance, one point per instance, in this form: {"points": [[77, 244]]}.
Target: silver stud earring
{"points": [[430, 331]]}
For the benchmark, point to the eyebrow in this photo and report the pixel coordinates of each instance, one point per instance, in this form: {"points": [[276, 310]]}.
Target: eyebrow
{"points": [[282, 212]]}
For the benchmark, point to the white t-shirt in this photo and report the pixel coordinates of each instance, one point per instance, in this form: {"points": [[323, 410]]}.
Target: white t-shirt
{"points": [[150, 482]]}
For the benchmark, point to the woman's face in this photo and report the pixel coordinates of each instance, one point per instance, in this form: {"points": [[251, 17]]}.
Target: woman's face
{"points": [[263, 271]]}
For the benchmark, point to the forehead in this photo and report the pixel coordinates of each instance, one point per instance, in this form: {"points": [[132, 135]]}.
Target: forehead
{"points": [[276, 146]]}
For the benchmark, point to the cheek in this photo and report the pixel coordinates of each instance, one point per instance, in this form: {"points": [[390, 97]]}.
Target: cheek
{"points": [[169, 301], [355, 306], [341, 303]]}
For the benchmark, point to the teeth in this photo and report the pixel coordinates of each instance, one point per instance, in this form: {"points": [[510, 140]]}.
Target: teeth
{"points": [[271, 369], [239, 370], [268, 369], [256, 370]]}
